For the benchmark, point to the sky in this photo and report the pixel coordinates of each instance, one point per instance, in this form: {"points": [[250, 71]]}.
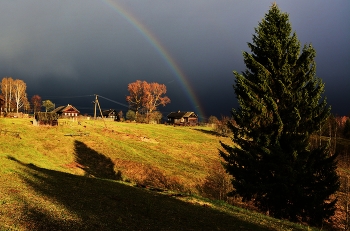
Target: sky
{"points": [[68, 51]]}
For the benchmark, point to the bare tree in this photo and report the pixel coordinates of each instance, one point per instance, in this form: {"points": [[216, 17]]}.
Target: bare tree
{"points": [[19, 93], [7, 92]]}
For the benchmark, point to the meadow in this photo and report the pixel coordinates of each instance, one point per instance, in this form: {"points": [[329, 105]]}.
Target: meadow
{"points": [[95, 175]]}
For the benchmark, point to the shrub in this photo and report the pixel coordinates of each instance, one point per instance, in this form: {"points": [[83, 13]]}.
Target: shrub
{"points": [[217, 184]]}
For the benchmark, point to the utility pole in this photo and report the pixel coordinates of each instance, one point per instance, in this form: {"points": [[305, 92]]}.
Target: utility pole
{"points": [[97, 103], [96, 100]]}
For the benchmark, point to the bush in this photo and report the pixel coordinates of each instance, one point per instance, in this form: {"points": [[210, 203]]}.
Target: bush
{"points": [[213, 120], [222, 128], [130, 115], [217, 184]]}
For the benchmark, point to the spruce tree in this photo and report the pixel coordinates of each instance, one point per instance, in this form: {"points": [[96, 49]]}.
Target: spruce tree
{"points": [[280, 106]]}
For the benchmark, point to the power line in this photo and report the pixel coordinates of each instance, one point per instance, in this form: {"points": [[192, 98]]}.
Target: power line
{"points": [[114, 101], [82, 96], [64, 97]]}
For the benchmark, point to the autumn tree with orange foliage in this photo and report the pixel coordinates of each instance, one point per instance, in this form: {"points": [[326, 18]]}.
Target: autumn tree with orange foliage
{"points": [[153, 96], [135, 99], [146, 97], [36, 101]]}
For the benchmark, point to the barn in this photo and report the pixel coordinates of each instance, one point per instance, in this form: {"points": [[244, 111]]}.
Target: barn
{"points": [[45, 118]]}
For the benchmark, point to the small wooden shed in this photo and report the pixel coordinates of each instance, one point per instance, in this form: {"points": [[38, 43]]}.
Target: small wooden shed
{"points": [[186, 118], [45, 118]]}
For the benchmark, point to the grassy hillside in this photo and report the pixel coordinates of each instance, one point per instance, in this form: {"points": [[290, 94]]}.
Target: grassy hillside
{"points": [[114, 176]]}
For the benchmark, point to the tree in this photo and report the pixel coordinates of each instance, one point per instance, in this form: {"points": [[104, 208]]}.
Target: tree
{"points": [[36, 101], [213, 120], [146, 96], [14, 92], [49, 106], [120, 116], [2, 103], [7, 92], [280, 106], [136, 97], [130, 115], [222, 126], [26, 106], [155, 116], [19, 93], [153, 96]]}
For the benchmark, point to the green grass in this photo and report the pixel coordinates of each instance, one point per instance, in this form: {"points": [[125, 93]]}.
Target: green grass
{"points": [[50, 181]]}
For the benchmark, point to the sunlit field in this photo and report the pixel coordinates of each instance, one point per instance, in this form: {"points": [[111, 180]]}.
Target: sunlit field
{"points": [[95, 175]]}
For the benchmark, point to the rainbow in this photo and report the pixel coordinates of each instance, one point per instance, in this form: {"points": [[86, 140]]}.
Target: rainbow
{"points": [[146, 33]]}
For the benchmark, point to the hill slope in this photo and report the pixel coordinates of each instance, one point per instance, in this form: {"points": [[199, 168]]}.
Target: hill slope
{"points": [[95, 176]]}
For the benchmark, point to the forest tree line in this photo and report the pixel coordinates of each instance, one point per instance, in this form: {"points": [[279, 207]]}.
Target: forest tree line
{"points": [[13, 95], [144, 99], [14, 98]]}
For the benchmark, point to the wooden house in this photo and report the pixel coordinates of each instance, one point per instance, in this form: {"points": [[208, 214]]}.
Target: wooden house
{"points": [[183, 118], [66, 111], [110, 114]]}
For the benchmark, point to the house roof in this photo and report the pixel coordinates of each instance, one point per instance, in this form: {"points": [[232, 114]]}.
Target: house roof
{"points": [[58, 109], [61, 109], [108, 112], [181, 114], [45, 116]]}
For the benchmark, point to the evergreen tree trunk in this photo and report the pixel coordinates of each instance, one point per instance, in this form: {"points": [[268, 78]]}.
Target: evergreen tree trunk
{"points": [[280, 107]]}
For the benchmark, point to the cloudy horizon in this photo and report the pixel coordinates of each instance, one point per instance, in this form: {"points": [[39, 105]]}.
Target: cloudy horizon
{"points": [[67, 51]]}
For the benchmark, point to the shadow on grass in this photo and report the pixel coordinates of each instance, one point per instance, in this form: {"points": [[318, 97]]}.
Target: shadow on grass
{"points": [[214, 133], [79, 203], [93, 163]]}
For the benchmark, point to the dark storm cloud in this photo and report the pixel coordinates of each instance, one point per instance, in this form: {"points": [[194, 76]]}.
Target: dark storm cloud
{"points": [[81, 48]]}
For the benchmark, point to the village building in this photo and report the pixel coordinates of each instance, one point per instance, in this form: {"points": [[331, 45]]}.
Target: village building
{"points": [[45, 118], [183, 118], [66, 111], [110, 113]]}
